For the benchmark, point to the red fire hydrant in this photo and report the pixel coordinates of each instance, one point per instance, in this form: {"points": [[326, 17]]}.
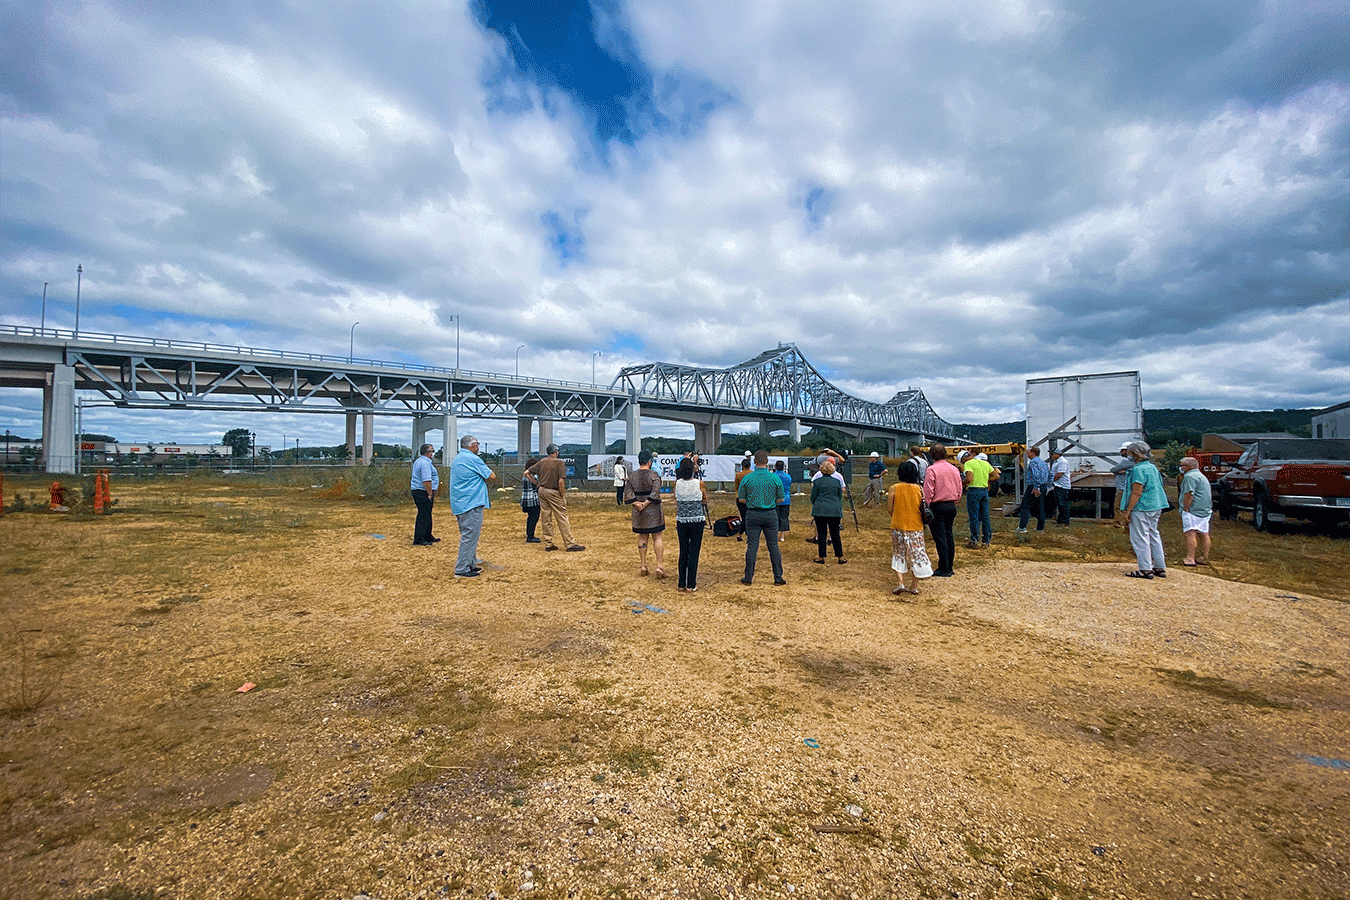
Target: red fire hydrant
{"points": [[58, 495]]}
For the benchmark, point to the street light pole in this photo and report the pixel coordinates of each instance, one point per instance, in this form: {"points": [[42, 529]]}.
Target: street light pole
{"points": [[351, 343], [43, 326], [456, 318], [79, 276], [518, 349], [594, 354]]}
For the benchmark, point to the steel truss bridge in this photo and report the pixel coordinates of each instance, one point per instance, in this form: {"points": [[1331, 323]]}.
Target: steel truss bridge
{"points": [[778, 388]]}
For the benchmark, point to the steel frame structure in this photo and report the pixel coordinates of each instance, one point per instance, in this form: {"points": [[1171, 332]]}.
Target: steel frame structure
{"points": [[779, 383], [155, 373]]}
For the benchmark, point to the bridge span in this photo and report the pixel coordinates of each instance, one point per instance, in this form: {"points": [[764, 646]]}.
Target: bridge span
{"points": [[779, 389]]}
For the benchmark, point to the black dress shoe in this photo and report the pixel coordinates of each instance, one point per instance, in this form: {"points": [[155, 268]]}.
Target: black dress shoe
{"points": [[472, 573], [780, 581], [745, 581], [434, 540], [533, 540], [421, 543]]}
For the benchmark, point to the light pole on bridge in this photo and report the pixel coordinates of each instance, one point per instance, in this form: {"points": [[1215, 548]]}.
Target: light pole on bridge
{"points": [[79, 276], [594, 354], [351, 343], [518, 349]]}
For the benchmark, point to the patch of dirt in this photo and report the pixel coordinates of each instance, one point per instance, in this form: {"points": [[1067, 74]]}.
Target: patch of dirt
{"points": [[564, 728]]}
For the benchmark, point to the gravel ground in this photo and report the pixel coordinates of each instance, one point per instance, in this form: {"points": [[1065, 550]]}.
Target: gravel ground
{"points": [[562, 727]]}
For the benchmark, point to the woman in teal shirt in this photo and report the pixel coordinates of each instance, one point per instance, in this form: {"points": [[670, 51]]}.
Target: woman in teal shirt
{"points": [[1143, 505]]}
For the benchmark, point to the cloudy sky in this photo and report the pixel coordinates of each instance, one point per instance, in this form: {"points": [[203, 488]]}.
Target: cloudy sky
{"points": [[951, 196]]}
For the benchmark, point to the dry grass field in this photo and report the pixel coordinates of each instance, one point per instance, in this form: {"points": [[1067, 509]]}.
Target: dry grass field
{"points": [[1037, 726]]}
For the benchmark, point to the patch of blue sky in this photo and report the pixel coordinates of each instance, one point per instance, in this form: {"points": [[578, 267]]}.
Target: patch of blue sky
{"points": [[584, 50], [629, 342], [565, 236], [817, 205]]}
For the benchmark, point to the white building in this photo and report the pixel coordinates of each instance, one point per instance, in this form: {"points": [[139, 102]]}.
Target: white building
{"points": [[1332, 422]]}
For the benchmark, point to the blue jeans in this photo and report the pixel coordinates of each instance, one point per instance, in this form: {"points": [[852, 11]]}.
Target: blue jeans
{"points": [[1030, 500], [977, 508], [1062, 505], [765, 521]]}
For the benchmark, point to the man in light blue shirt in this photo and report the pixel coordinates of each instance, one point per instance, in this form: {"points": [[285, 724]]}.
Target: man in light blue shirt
{"points": [[469, 476], [1196, 503], [425, 481]]}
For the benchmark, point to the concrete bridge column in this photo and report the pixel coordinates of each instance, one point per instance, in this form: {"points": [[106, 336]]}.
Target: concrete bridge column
{"points": [[633, 432], [524, 430], [351, 438], [58, 421], [367, 437], [708, 436], [545, 433], [451, 432], [795, 429], [598, 436]]}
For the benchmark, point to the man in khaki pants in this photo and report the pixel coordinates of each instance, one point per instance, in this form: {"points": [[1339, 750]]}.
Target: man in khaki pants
{"points": [[550, 473]]}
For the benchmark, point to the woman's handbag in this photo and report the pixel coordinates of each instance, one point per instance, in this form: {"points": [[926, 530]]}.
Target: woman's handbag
{"points": [[925, 513]]}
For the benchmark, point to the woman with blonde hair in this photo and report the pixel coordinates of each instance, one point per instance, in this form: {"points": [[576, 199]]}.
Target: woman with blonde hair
{"points": [[827, 507]]}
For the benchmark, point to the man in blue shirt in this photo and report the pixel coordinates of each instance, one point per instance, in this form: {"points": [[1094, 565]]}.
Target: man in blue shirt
{"points": [[425, 481], [469, 476], [1037, 483], [876, 468]]}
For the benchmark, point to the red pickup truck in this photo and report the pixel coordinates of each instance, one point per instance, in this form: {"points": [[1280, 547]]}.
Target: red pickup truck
{"points": [[1213, 464], [1281, 479]]}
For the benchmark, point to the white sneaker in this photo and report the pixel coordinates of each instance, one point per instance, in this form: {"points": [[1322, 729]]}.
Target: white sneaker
{"points": [[1021, 531]]}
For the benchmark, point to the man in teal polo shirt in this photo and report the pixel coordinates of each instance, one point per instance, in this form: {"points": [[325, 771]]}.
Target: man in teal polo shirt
{"points": [[761, 492]]}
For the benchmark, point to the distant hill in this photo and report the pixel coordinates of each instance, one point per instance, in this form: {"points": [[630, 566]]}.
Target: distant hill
{"points": [[1184, 425]]}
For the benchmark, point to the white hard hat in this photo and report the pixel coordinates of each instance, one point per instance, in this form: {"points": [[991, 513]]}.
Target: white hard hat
{"points": [[876, 455]]}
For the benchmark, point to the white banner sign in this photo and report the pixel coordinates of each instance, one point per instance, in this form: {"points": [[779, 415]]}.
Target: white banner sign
{"points": [[713, 468]]}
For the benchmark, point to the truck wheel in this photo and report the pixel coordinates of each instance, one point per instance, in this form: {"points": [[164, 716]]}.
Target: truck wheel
{"points": [[1261, 514]]}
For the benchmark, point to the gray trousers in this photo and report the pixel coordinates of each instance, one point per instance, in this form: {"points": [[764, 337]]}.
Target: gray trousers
{"points": [[470, 530], [1146, 541]]}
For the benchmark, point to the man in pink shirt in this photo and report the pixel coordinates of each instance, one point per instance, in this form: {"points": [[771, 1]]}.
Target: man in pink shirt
{"points": [[941, 489]]}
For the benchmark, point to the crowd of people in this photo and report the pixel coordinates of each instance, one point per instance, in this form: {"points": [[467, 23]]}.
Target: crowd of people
{"points": [[926, 492]]}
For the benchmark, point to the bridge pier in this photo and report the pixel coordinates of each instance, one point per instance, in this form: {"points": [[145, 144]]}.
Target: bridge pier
{"points": [[793, 425], [59, 441], [367, 437], [524, 430], [545, 433], [633, 431], [443, 423], [598, 436], [708, 436]]}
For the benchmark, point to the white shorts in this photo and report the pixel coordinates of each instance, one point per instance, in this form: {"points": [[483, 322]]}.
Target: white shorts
{"points": [[1194, 523]]}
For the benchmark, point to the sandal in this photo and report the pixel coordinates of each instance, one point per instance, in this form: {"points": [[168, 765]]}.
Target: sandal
{"points": [[642, 570], [841, 560], [1159, 573], [660, 572], [1138, 573], [821, 560], [1191, 565]]}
